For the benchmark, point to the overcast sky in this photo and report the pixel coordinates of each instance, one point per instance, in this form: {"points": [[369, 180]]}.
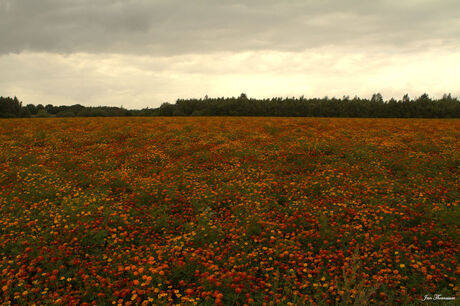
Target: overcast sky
{"points": [[140, 53]]}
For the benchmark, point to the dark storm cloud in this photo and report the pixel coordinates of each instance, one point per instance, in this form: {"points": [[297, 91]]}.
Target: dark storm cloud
{"points": [[174, 27]]}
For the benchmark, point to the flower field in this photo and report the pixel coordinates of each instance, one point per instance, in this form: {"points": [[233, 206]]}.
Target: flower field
{"points": [[228, 211]]}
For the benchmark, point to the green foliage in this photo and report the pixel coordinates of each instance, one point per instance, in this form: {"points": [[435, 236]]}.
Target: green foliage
{"points": [[94, 241], [375, 107], [43, 113], [10, 107], [66, 113]]}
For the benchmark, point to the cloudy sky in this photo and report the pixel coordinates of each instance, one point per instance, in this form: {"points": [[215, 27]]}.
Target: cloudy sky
{"points": [[140, 53]]}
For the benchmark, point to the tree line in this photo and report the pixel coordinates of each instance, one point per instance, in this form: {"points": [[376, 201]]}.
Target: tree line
{"points": [[375, 107], [13, 108]]}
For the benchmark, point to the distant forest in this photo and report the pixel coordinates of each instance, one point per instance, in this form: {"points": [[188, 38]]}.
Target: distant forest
{"points": [[376, 107]]}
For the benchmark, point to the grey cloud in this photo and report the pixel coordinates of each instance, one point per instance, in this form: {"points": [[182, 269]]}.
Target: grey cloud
{"points": [[165, 27]]}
